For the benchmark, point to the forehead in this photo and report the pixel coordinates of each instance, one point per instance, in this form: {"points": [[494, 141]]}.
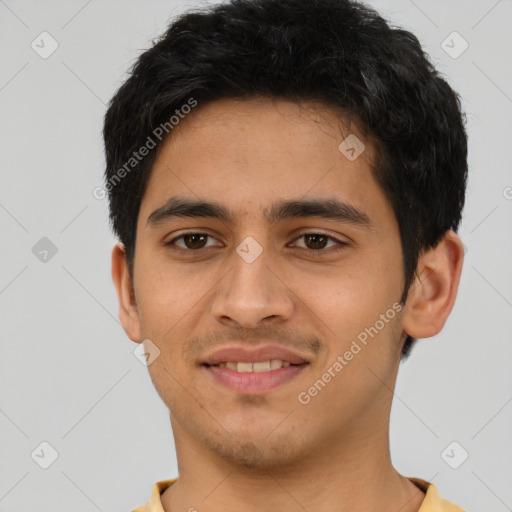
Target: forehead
{"points": [[250, 120], [254, 152]]}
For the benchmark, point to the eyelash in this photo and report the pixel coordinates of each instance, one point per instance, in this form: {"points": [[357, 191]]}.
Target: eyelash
{"points": [[318, 252]]}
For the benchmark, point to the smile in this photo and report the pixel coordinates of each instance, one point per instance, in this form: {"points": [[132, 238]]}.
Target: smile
{"points": [[254, 378], [262, 366]]}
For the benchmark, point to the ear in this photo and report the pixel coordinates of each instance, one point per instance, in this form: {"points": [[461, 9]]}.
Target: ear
{"points": [[128, 312], [432, 294]]}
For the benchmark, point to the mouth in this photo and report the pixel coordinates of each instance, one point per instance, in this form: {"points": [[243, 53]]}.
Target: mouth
{"points": [[254, 373], [257, 367]]}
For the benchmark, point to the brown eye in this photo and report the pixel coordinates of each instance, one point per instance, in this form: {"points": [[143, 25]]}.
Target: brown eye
{"points": [[316, 241], [319, 244], [195, 240], [190, 241]]}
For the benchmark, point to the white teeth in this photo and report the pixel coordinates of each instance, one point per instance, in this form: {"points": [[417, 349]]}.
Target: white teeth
{"points": [[275, 364], [262, 366], [244, 367]]}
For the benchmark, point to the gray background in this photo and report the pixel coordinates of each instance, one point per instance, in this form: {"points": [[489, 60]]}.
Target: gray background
{"points": [[68, 373]]}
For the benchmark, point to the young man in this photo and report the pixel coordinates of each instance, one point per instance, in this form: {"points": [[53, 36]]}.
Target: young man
{"points": [[286, 179]]}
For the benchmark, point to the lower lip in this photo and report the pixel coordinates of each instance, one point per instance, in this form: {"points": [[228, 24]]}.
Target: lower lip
{"points": [[254, 382]]}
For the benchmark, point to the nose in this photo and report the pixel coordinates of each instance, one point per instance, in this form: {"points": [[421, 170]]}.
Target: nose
{"points": [[252, 294]]}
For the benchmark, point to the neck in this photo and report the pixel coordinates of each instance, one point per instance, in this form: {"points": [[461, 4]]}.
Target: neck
{"points": [[350, 473]]}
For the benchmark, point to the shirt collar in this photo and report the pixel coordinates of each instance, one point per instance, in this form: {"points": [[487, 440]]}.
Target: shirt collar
{"points": [[155, 503], [431, 503]]}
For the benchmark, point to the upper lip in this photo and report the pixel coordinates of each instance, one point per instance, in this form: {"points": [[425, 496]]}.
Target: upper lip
{"points": [[253, 355]]}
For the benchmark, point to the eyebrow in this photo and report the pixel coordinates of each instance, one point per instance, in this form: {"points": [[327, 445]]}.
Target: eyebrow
{"points": [[179, 207]]}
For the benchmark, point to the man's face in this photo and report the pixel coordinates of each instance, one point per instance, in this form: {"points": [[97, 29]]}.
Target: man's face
{"points": [[306, 285]]}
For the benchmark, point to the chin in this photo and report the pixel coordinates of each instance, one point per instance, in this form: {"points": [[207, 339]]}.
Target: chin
{"points": [[259, 453]]}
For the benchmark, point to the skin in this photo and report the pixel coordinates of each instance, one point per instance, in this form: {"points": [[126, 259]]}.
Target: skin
{"points": [[267, 450]]}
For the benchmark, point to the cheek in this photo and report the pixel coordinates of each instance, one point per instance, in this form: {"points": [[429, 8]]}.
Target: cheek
{"points": [[169, 303], [355, 309], [168, 293], [345, 297]]}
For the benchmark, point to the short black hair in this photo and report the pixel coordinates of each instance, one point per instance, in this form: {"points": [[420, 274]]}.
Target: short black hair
{"points": [[341, 53]]}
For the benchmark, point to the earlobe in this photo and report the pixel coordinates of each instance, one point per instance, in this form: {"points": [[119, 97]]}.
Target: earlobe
{"points": [[128, 311], [432, 294]]}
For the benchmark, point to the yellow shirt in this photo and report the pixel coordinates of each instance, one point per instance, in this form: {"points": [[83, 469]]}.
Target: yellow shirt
{"points": [[431, 503]]}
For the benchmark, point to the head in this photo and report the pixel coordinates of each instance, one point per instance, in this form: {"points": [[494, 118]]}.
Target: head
{"points": [[248, 104]]}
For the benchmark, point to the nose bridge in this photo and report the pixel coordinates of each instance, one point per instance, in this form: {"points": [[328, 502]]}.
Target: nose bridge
{"points": [[251, 291], [250, 268]]}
